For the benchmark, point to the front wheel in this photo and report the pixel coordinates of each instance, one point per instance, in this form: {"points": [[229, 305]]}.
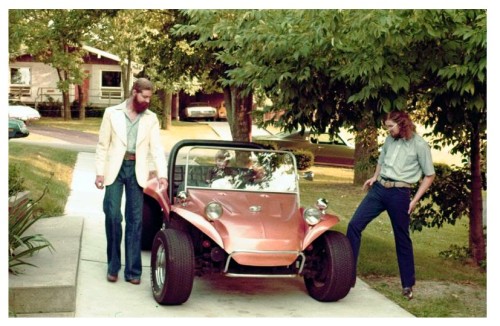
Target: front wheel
{"points": [[152, 220], [172, 267], [332, 272]]}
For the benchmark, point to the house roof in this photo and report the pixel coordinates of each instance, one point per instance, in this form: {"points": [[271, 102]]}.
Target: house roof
{"points": [[100, 53]]}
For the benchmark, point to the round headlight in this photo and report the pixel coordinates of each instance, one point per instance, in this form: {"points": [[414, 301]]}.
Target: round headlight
{"points": [[213, 211], [312, 216]]}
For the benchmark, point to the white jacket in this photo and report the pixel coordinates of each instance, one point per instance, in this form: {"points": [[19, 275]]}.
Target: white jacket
{"points": [[112, 146]]}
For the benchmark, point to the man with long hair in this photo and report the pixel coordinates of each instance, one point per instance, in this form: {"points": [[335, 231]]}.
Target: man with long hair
{"points": [[404, 159]]}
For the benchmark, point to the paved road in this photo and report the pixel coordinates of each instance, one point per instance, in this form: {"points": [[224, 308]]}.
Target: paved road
{"points": [[70, 136]]}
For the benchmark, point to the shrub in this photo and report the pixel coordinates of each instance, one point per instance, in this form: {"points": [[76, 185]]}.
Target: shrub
{"points": [[305, 159], [446, 201], [21, 218]]}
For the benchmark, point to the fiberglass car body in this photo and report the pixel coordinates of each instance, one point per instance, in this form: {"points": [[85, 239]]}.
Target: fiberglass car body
{"points": [[240, 220]]}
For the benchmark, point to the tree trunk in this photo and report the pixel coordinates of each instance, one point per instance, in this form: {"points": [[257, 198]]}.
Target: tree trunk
{"points": [[66, 106], [239, 110], [166, 106], [81, 103], [476, 236], [126, 75], [366, 148]]}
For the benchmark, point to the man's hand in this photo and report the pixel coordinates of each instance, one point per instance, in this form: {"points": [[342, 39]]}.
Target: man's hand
{"points": [[413, 204], [369, 183], [162, 183], [99, 181]]}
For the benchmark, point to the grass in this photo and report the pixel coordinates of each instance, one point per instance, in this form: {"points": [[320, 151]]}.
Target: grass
{"points": [[445, 288], [90, 125], [41, 166]]}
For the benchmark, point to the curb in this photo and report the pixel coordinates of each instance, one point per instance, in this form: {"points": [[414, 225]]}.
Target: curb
{"points": [[51, 286]]}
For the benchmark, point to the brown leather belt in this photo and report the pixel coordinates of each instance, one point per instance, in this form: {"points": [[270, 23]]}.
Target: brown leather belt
{"points": [[392, 184], [129, 156]]}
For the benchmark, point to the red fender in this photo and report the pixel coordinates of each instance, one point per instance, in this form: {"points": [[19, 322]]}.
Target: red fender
{"points": [[201, 223], [327, 221], [160, 195]]}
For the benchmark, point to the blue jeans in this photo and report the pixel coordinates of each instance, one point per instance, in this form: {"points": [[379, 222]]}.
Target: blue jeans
{"points": [[133, 222], [396, 202]]}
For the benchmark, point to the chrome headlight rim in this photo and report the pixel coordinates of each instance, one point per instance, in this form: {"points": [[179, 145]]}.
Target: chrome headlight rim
{"points": [[312, 216], [213, 211]]}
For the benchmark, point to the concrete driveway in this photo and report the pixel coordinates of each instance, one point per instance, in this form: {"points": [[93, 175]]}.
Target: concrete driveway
{"points": [[211, 297]]}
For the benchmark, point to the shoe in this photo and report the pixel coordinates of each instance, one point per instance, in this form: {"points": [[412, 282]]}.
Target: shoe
{"points": [[135, 281], [112, 278], [408, 293]]}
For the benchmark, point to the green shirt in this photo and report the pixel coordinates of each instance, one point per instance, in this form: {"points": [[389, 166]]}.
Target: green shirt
{"points": [[405, 160], [132, 128]]}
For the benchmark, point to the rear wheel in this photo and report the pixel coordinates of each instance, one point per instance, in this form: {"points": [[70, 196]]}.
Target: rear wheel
{"points": [[172, 267], [332, 267]]}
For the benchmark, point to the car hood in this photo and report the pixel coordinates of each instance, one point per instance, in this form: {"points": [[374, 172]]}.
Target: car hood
{"points": [[255, 221]]}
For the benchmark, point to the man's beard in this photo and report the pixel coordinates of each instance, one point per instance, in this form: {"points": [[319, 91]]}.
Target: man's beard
{"points": [[139, 107], [397, 136]]}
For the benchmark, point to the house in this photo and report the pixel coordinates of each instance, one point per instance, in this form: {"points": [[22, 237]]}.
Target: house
{"points": [[34, 82]]}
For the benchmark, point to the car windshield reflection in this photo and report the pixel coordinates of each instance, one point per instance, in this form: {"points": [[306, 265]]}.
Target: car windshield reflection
{"points": [[240, 169]]}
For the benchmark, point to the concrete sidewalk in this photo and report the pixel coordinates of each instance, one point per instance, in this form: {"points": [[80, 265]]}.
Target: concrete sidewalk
{"points": [[81, 258]]}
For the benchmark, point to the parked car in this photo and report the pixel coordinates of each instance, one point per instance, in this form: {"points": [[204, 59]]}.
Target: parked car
{"points": [[200, 110], [23, 112], [245, 222], [17, 128], [328, 150]]}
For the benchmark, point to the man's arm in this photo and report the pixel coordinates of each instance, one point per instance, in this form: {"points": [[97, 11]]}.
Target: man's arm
{"points": [[424, 185]]}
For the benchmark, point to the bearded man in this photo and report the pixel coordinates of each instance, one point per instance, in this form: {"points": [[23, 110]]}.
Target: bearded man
{"points": [[129, 142]]}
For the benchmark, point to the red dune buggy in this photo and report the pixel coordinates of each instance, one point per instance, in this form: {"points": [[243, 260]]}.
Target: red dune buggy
{"points": [[233, 208]]}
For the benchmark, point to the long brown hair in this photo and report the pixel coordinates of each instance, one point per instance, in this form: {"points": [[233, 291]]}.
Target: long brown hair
{"points": [[406, 126]]}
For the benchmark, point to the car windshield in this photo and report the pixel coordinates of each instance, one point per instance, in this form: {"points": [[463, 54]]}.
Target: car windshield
{"points": [[240, 169]]}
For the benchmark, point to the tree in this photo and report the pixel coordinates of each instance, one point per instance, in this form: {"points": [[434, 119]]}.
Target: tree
{"points": [[55, 37], [326, 69], [457, 98], [323, 69], [212, 34]]}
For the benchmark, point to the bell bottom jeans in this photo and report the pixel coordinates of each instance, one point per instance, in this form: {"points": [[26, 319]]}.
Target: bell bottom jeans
{"points": [[133, 222], [396, 202]]}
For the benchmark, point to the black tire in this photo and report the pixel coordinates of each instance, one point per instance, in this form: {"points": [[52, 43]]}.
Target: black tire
{"points": [[152, 220], [172, 267], [333, 267]]}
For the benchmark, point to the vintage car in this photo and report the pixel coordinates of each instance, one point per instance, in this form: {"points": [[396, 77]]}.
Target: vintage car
{"points": [[200, 110], [240, 217], [331, 150], [17, 128]]}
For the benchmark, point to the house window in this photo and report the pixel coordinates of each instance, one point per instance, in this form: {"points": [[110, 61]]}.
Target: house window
{"points": [[111, 79], [20, 82], [110, 85], [20, 76]]}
